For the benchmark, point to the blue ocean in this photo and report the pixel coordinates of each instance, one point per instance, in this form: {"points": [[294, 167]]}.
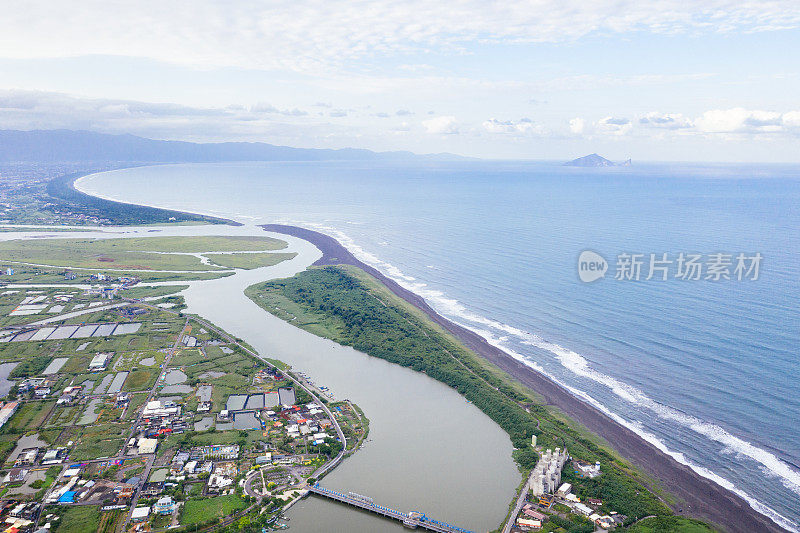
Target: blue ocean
{"points": [[705, 369]]}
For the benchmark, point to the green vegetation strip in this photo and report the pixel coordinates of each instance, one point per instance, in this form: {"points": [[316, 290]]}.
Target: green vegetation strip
{"points": [[208, 509], [78, 519], [65, 198], [144, 253], [249, 261], [53, 275], [351, 308]]}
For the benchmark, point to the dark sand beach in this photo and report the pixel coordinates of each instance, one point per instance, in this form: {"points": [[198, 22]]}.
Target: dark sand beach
{"points": [[702, 498]]}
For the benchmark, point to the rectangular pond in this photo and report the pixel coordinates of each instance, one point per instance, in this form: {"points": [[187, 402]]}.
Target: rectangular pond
{"points": [[55, 365], [116, 385]]}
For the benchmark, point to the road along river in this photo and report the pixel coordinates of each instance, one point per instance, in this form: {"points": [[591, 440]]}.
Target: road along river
{"points": [[428, 449]]}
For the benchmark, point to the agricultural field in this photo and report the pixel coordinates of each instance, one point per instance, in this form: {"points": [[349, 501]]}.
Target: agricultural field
{"points": [[30, 274], [93, 380], [250, 260], [201, 511], [62, 395], [78, 519], [144, 253]]}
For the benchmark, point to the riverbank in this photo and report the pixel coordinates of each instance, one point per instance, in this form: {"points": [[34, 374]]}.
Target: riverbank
{"points": [[702, 498]]}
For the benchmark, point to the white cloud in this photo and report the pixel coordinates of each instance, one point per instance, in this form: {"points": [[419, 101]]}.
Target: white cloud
{"points": [[446, 125], [46, 110], [521, 126], [614, 126], [269, 108], [670, 121], [736, 122], [403, 127], [740, 120], [309, 35], [791, 121]]}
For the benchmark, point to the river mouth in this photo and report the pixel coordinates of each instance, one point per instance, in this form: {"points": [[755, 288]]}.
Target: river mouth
{"points": [[428, 449]]}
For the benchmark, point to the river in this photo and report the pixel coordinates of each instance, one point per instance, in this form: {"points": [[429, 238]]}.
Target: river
{"points": [[428, 449]]}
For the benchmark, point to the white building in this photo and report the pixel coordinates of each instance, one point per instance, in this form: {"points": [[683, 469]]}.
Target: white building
{"points": [[147, 446], [585, 510], [158, 409], [99, 362], [164, 506], [218, 483], [140, 514], [586, 469], [546, 476]]}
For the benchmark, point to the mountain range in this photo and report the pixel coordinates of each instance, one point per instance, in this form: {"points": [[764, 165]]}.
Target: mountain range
{"points": [[70, 145]]}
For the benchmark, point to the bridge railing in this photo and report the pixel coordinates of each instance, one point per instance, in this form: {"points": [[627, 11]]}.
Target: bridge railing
{"points": [[371, 505]]}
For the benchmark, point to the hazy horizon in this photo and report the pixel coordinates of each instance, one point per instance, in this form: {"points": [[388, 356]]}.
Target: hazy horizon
{"points": [[545, 80]]}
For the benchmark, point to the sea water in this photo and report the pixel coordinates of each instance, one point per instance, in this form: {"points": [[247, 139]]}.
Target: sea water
{"points": [[706, 370]]}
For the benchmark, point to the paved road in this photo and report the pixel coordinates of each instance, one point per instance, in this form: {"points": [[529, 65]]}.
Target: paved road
{"points": [[319, 473], [72, 314], [134, 428], [518, 507], [336, 460]]}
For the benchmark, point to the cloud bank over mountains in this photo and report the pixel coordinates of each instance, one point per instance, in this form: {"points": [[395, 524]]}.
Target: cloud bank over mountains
{"points": [[46, 110], [530, 79]]}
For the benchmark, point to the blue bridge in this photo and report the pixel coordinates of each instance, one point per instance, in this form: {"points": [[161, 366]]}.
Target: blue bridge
{"points": [[412, 520]]}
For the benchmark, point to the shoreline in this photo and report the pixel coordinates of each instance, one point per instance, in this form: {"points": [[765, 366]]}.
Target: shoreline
{"points": [[704, 499], [710, 501], [64, 189]]}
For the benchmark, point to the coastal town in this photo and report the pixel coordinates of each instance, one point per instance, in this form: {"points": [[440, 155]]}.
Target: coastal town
{"points": [[121, 414], [373, 266], [549, 503]]}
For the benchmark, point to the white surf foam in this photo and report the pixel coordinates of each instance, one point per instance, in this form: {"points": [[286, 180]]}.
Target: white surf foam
{"points": [[578, 365]]}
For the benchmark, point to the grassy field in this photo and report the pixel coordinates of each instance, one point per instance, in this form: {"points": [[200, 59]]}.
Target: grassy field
{"points": [[350, 307], [51, 275], [28, 417], [142, 379], [99, 440], [79, 519], [200, 511], [668, 524], [11, 229], [109, 520], [133, 253], [140, 292], [250, 260]]}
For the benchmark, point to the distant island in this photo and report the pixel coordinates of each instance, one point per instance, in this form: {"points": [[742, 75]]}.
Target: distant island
{"points": [[594, 160]]}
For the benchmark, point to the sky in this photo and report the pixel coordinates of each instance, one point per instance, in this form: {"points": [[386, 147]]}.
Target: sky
{"points": [[663, 80]]}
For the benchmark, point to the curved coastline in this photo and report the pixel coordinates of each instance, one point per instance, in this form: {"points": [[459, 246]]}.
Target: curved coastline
{"points": [[64, 189], [705, 499]]}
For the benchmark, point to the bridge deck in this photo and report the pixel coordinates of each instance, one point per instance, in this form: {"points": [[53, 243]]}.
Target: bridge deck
{"points": [[410, 520]]}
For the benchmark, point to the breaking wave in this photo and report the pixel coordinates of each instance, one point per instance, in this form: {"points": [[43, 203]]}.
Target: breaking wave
{"points": [[498, 334]]}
